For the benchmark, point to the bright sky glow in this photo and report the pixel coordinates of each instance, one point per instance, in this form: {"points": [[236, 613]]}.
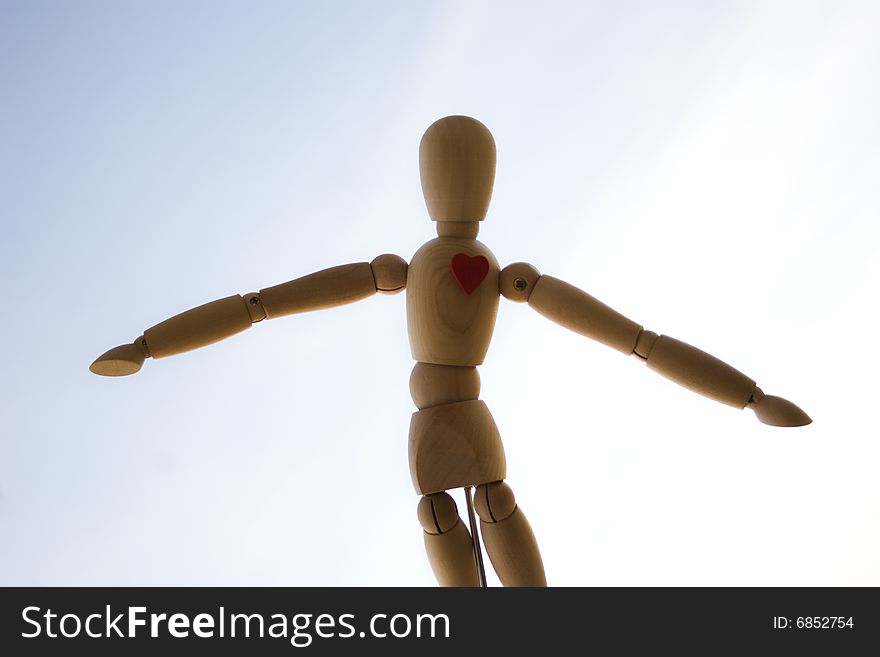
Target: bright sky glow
{"points": [[708, 169]]}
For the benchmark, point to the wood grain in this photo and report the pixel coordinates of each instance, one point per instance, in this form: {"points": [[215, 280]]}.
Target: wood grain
{"points": [[433, 385], [454, 445], [578, 311], [457, 169], [446, 325], [335, 286], [198, 327]]}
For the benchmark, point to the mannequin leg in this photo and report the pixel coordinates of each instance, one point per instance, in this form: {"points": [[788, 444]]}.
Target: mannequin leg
{"points": [[508, 538], [447, 541]]}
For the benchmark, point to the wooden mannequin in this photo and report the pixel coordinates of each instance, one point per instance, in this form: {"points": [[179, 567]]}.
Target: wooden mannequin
{"points": [[453, 285]]}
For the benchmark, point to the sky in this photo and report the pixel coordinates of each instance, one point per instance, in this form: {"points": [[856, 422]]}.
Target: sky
{"points": [[707, 169]]}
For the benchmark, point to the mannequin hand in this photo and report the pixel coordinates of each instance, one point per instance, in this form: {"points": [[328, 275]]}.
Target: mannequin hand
{"points": [[777, 411], [120, 361]]}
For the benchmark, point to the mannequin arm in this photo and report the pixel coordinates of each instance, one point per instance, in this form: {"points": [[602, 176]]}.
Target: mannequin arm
{"points": [[678, 361], [223, 318]]}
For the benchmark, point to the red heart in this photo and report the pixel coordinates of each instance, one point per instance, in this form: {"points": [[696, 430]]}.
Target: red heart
{"points": [[469, 271]]}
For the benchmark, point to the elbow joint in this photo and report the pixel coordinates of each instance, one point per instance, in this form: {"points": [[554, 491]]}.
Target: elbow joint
{"points": [[645, 344], [254, 307]]}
